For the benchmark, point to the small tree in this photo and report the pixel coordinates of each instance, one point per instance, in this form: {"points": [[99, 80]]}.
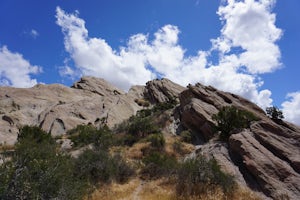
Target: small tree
{"points": [[230, 118], [274, 113]]}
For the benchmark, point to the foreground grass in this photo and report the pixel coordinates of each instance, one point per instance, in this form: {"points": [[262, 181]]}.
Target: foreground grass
{"points": [[161, 189]]}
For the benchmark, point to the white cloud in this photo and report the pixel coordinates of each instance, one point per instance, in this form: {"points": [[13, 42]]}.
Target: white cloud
{"points": [[34, 33], [250, 25], [15, 70], [291, 107], [247, 25]]}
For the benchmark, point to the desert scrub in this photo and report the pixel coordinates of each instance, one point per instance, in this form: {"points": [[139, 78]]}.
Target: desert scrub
{"points": [[201, 175], [86, 134], [38, 170], [158, 164], [229, 119], [157, 141], [186, 136], [98, 166]]}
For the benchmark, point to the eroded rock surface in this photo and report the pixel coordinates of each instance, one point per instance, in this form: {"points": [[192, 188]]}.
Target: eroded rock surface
{"points": [[264, 157], [57, 108]]}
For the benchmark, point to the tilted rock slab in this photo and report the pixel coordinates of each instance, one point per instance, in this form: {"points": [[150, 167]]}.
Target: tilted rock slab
{"points": [[265, 157]]}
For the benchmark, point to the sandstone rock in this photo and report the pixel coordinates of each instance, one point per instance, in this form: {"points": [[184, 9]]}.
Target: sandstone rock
{"points": [[57, 108], [275, 177], [282, 141], [163, 90], [199, 103], [265, 157]]}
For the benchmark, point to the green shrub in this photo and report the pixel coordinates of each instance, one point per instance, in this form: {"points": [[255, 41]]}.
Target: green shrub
{"points": [[86, 134], [125, 139], [274, 113], [38, 171], [158, 164], [230, 118], [141, 127], [186, 136], [200, 175], [157, 140], [163, 106], [98, 166]]}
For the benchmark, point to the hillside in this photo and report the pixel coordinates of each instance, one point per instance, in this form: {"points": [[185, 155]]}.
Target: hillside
{"points": [[263, 157]]}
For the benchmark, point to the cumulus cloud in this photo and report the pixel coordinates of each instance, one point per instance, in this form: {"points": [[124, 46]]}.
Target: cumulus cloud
{"points": [[291, 107], [250, 26], [247, 25], [15, 70]]}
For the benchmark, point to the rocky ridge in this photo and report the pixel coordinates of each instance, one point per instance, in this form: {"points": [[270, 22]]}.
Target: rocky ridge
{"points": [[264, 157]]}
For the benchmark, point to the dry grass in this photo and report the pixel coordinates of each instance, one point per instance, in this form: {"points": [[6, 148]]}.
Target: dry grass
{"points": [[116, 191], [169, 146], [162, 189], [136, 151], [6, 147], [136, 189]]}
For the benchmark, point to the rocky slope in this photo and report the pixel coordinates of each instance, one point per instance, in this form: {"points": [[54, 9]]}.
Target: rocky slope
{"points": [[264, 157], [57, 108]]}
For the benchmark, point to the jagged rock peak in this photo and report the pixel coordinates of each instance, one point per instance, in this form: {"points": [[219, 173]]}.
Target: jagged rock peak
{"points": [[97, 85], [163, 90]]}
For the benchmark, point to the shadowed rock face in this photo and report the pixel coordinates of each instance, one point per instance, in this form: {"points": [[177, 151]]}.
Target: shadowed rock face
{"points": [[264, 157]]}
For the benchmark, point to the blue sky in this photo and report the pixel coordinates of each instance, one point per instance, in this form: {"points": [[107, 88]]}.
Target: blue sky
{"points": [[248, 47]]}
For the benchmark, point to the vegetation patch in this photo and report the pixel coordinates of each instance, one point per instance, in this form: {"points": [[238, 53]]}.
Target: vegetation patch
{"points": [[158, 164], [230, 119], [200, 175], [274, 113], [83, 135]]}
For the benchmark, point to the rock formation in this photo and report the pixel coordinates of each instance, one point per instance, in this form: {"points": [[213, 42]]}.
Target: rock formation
{"points": [[264, 157]]}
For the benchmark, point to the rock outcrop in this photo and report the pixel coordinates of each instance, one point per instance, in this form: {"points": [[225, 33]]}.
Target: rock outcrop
{"points": [[57, 108], [264, 157], [163, 90]]}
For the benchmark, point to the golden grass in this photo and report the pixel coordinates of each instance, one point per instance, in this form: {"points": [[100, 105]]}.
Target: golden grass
{"points": [[169, 146], [116, 191], [162, 189], [136, 151]]}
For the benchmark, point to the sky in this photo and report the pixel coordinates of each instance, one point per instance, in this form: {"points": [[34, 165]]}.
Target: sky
{"points": [[247, 47]]}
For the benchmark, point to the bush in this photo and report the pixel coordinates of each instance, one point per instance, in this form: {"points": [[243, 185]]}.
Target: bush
{"points": [[186, 136], [37, 171], [141, 127], [200, 175], [163, 106], [99, 167], [86, 134], [157, 140], [159, 164], [230, 118], [274, 113]]}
